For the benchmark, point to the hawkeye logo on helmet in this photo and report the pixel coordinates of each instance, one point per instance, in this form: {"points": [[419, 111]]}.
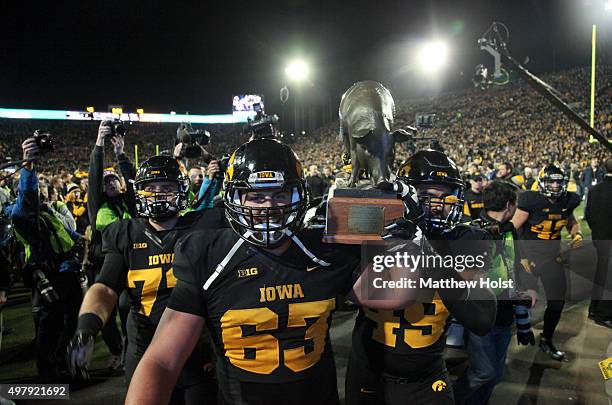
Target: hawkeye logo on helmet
{"points": [[442, 174], [405, 170]]}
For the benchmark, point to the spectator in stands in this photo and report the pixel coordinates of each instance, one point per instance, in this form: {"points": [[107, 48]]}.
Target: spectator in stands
{"points": [[328, 177], [473, 204], [528, 178], [315, 182]]}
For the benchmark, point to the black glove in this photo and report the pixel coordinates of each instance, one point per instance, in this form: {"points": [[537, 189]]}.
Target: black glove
{"points": [[81, 345], [408, 194], [79, 354], [401, 229]]}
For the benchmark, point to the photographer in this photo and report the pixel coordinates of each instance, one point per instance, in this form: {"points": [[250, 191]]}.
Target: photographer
{"points": [[211, 181], [106, 204], [487, 354], [53, 268], [190, 145]]}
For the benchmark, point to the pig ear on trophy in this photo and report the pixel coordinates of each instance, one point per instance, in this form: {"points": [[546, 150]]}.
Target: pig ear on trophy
{"points": [[403, 135]]}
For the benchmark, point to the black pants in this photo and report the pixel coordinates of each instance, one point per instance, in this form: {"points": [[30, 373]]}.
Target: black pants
{"points": [[600, 307], [56, 324], [364, 387], [552, 274]]}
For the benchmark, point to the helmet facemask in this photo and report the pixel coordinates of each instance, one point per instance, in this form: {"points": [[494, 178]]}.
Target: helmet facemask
{"points": [[436, 223], [160, 206], [547, 186], [263, 225]]}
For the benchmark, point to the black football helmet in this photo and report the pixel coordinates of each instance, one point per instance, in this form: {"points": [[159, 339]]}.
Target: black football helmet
{"points": [[434, 167], [552, 174], [156, 205], [264, 165]]}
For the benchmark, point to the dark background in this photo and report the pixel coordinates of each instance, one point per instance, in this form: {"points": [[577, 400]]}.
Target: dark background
{"points": [[193, 55]]}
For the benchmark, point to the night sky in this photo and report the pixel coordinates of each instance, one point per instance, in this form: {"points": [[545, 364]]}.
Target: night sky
{"points": [[193, 55]]}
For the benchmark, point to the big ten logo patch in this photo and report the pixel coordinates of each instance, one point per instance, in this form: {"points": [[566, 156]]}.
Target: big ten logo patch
{"points": [[247, 272]]}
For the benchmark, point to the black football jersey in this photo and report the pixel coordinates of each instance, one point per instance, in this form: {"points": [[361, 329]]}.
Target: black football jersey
{"points": [[546, 218], [473, 204], [409, 343], [404, 342], [269, 316], [140, 260]]}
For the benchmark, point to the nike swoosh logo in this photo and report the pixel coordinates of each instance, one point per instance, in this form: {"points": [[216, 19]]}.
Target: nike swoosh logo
{"points": [[312, 268], [363, 391]]}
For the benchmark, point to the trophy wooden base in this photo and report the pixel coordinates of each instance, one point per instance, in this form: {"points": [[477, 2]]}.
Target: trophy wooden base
{"points": [[356, 215]]}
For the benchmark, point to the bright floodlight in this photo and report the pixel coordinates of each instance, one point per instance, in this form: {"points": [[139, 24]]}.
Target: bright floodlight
{"points": [[297, 70], [432, 56], [609, 5]]}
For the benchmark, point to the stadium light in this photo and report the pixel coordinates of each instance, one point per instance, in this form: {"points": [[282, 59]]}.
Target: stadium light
{"points": [[432, 56], [608, 6], [297, 70]]}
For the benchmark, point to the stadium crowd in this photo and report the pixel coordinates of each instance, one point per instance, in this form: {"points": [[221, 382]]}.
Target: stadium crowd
{"points": [[507, 124], [508, 133]]}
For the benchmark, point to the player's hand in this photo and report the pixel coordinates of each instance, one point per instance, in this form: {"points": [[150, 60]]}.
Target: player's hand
{"points": [[104, 131], [30, 149], [576, 241], [408, 194], [525, 338], [528, 266], [79, 354], [530, 295], [401, 229], [118, 144], [412, 208], [178, 151], [212, 169]]}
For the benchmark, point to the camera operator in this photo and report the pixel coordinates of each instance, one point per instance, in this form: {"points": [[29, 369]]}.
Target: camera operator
{"points": [[487, 354], [190, 145], [106, 204], [54, 270]]}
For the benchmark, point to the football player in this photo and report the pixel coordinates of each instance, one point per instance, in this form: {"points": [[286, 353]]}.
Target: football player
{"points": [[397, 355], [265, 289], [539, 218], [138, 257]]}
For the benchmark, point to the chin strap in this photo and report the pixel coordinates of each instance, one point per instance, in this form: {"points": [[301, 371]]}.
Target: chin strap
{"points": [[240, 241], [228, 257], [307, 252]]}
